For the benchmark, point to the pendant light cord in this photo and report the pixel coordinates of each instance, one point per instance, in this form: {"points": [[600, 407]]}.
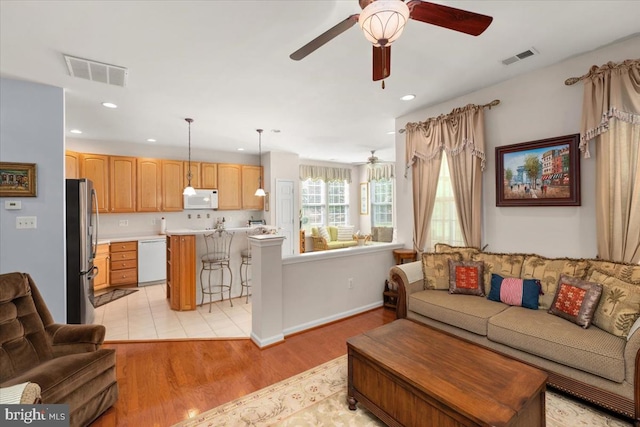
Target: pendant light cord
{"points": [[189, 171]]}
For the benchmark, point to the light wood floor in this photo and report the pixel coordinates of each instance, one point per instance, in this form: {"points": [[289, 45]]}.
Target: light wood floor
{"points": [[164, 382]]}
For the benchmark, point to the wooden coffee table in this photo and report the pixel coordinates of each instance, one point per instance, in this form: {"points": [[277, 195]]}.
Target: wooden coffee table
{"points": [[409, 374]]}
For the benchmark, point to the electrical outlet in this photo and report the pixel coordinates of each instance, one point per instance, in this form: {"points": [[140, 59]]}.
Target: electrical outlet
{"points": [[350, 283], [198, 216], [23, 222], [208, 216], [123, 223], [188, 216]]}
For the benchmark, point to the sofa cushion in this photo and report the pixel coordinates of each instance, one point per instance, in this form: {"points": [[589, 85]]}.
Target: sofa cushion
{"points": [[465, 277], [548, 271], [538, 332], [513, 291], [435, 267], [576, 300], [467, 312], [506, 265], [619, 305], [630, 273], [339, 244], [466, 251], [324, 233], [345, 233]]}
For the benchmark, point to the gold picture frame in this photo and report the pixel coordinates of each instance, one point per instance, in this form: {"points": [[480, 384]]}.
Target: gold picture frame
{"points": [[364, 198], [17, 179]]}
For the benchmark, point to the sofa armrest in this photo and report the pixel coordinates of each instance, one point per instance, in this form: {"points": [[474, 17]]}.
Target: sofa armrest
{"points": [[409, 279], [69, 339], [319, 243]]}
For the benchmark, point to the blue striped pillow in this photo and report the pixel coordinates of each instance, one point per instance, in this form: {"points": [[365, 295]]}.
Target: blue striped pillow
{"points": [[515, 291]]}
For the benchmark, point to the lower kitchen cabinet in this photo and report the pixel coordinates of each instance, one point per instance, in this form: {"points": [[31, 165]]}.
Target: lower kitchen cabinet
{"points": [[124, 263], [101, 280], [181, 278]]}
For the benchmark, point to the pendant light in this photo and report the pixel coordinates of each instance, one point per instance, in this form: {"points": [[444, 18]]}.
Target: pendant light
{"points": [[260, 191], [189, 190]]}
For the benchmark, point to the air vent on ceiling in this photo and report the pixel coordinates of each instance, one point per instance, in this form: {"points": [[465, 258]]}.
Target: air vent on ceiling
{"points": [[96, 71], [519, 57]]}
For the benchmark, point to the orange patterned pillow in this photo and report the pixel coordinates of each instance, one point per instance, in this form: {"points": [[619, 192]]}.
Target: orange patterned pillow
{"points": [[576, 300], [466, 277]]}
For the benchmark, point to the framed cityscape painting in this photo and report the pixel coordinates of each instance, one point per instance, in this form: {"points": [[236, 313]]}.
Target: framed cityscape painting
{"points": [[539, 173], [17, 179]]}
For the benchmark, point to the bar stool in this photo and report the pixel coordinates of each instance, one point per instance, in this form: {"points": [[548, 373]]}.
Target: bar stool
{"points": [[245, 263], [215, 262]]}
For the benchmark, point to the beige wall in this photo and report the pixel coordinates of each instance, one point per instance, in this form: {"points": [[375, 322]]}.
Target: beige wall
{"points": [[534, 106]]}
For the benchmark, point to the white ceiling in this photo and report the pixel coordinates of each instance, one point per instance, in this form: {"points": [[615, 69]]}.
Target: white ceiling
{"points": [[226, 64]]}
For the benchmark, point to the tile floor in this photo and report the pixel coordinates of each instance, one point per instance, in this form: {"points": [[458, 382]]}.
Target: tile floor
{"points": [[145, 315]]}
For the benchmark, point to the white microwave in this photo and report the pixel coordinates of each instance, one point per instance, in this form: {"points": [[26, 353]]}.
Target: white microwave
{"points": [[203, 199]]}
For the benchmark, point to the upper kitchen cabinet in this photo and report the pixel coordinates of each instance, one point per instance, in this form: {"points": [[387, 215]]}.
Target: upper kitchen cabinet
{"points": [[250, 183], [122, 184], [172, 187], [195, 174], [209, 175], [149, 185], [96, 168], [229, 186], [71, 164]]}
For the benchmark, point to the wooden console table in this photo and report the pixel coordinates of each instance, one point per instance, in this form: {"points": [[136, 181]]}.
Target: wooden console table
{"points": [[409, 374]]}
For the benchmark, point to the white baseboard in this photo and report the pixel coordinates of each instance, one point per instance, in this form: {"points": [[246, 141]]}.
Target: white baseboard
{"points": [[266, 341], [332, 318]]}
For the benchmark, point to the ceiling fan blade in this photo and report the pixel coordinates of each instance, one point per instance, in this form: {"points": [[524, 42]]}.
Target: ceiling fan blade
{"points": [[325, 37], [449, 17], [381, 62]]}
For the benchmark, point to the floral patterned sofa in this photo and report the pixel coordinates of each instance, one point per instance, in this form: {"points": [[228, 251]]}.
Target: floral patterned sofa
{"points": [[576, 319]]}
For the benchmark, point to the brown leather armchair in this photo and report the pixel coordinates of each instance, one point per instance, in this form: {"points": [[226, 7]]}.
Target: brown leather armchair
{"points": [[64, 360]]}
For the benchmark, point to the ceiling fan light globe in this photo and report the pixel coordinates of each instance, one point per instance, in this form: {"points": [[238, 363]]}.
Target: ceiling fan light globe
{"points": [[383, 21]]}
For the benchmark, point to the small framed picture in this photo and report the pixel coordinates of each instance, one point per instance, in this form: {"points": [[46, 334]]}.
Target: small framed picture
{"points": [[539, 173], [17, 179], [364, 198]]}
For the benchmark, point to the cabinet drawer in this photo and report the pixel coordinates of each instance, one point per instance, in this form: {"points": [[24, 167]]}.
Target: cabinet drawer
{"points": [[124, 277], [123, 264], [122, 256], [124, 246]]}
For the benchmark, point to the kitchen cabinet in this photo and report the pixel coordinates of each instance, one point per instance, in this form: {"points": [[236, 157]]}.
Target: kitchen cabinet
{"points": [[122, 184], [181, 276], [101, 280], [96, 168], [208, 175], [71, 164], [195, 174], [149, 185], [123, 263], [250, 182], [172, 173], [229, 186]]}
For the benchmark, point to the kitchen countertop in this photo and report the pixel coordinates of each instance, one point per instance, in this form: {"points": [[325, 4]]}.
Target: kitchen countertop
{"points": [[114, 239], [177, 231], [186, 231]]}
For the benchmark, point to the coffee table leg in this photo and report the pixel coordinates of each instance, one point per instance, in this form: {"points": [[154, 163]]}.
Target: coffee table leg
{"points": [[352, 403]]}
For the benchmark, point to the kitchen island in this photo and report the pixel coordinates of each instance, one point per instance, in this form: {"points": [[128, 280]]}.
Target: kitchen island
{"points": [[185, 248]]}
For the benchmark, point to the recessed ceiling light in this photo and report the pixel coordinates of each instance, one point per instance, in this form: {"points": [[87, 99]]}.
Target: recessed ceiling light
{"points": [[151, 140], [240, 149], [408, 97], [75, 131], [275, 130], [109, 105], [391, 132]]}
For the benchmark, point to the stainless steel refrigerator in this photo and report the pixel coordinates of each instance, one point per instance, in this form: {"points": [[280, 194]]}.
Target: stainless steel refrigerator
{"points": [[82, 242]]}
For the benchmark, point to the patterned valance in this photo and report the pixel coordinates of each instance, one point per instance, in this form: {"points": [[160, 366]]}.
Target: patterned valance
{"points": [[381, 171], [324, 173]]}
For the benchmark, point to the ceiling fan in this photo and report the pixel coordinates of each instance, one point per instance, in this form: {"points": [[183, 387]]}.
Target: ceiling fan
{"points": [[371, 160], [383, 21]]}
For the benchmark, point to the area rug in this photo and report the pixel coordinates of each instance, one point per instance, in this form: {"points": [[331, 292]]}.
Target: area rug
{"points": [[110, 296], [317, 397]]}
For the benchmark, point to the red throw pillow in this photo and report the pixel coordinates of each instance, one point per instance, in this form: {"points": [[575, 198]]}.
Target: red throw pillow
{"points": [[466, 277], [576, 300]]}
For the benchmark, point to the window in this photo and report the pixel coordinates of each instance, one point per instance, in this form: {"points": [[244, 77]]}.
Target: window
{"points": [[381, 203], [324, 203], [444, 221]]}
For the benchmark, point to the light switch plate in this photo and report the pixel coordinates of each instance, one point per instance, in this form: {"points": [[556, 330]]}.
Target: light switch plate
{"points": [[23, 222]]}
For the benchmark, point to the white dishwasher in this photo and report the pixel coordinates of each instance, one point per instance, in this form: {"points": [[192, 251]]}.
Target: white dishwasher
{"points": [[152, 261]]}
